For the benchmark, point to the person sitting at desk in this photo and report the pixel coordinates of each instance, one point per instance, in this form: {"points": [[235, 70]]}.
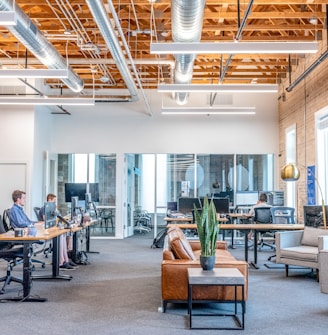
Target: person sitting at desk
{"points": [[64, 262], [262, 202], [17, 216]]}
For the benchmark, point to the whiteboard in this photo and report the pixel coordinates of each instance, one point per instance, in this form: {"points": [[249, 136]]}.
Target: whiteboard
{"points": [[13, 176]]}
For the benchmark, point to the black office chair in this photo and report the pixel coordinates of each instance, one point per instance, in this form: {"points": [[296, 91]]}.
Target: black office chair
{"points": [[283, 215], [13, 255], [7, 226], [37, 213], [263, 215]]}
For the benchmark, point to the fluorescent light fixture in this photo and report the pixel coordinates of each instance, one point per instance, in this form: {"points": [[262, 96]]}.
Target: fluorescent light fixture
{"points": [[217, 88], [209, 110], [34, 73], [67, 101], [8, 18], [233, 47]]}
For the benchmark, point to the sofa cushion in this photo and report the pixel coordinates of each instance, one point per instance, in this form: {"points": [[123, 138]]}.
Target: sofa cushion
{"points": [[302, 253], [179, 244], [310, 236]]}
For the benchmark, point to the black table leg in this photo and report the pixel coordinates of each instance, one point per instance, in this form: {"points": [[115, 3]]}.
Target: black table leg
{"points": [[87, 235], [254, 263], [55, 263]]}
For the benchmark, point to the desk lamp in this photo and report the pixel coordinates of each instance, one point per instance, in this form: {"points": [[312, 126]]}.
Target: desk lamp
{"points": [[291, 172]]}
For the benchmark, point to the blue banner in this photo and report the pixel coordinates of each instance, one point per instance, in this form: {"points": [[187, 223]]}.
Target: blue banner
{"points": [[311, 185]]}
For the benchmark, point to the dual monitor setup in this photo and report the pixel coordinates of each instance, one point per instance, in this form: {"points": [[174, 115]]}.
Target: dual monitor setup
{"points": [[187, 205]]}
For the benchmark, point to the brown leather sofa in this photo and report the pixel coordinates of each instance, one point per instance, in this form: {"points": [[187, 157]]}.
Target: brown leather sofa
{"points": [[179, 254]]}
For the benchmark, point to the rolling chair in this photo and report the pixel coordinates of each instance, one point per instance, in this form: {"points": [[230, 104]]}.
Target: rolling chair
{"points": [[7, 226], [13, 255], [263, 215], [283, 215]]}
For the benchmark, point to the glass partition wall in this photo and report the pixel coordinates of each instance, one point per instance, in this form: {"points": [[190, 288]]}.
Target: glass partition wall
{"points": [[94, 174], [151, 181]]}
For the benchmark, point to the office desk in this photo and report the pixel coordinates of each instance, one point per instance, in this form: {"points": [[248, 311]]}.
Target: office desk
{"points": [[247, 228], [42, 235]]}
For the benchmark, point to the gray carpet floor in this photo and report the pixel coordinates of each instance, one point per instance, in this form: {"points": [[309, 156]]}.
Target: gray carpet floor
{"points": [[119, 293]]}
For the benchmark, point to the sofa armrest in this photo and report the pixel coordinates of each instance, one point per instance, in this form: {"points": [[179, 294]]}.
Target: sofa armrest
{"points": [[323, 242], [323, 270], [286, 239]]}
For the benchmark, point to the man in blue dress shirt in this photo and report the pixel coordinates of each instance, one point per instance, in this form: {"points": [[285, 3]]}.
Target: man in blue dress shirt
{"points": [[18, 218]]}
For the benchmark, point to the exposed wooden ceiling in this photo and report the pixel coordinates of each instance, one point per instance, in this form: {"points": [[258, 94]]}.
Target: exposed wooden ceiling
{"points": [[70, 27]]}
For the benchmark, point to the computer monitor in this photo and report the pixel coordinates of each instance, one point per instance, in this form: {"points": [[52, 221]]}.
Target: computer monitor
{"points": [[80, 189], [49, 214], [186, 205], [247, 198], [221, 205], [172, 206], [313, 215]]}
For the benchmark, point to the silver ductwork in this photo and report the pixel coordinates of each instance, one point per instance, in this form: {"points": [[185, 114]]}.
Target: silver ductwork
{"points": [[29, 35], [187, 23], [100, 16]]}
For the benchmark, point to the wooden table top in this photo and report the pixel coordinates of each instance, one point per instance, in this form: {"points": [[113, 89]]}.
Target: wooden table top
{"points": [[41, 233], [247, 226]]}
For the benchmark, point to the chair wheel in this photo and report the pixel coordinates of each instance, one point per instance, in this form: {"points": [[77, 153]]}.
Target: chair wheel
{"points": [[43, 265]]}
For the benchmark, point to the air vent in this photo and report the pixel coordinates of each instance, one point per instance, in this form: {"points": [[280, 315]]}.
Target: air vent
{"points": [[221, 99]]}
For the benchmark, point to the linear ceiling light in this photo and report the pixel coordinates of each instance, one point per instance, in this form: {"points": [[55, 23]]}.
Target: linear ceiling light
{"points": [[8, 18], [233, 47], [34, 73], [209, 111], [67, 101], [217, 88]]}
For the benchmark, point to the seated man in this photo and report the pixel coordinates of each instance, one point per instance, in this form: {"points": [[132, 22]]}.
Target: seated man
{"points": [[19, 219], [64, 262], [262, 202]]}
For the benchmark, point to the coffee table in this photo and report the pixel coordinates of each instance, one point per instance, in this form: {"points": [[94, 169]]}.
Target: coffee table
{"points": [[217, 277]]}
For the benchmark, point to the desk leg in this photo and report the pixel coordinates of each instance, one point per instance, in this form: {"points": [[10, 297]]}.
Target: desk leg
{"points": [[55, 263], [246, 245], [87, 235], [254, 263]]}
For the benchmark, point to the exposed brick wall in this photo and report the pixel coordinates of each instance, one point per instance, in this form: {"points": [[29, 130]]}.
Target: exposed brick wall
{"points": [[299, 108]]}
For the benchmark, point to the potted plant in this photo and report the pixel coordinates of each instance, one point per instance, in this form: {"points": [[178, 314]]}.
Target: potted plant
{"points": [[207, 227]]}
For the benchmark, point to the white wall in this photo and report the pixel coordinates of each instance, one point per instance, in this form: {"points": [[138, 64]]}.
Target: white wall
{"points": [[17, 140], [127, 128]]}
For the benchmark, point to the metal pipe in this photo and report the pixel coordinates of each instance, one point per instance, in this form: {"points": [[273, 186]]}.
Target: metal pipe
{"points": [[29, 35]]}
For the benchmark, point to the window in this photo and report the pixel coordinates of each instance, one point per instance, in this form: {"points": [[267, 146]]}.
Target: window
{"points": [[322, 151]]}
